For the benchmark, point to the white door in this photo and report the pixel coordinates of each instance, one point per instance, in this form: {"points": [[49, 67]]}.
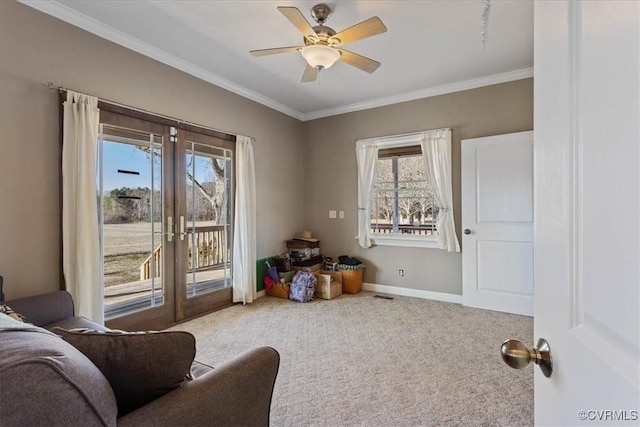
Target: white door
{"points": [[497, 218], [587, 196]]}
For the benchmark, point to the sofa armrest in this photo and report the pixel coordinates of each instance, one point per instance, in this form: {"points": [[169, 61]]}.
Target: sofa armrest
{"points": [[236, 393], [42, 310]]}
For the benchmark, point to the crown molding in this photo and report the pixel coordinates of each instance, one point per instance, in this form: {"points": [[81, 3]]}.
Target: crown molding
{"points": [[424, 93], [104, 31], [66, 14]]}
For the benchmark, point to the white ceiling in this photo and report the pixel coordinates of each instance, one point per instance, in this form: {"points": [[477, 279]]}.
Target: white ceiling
{"points": [[431, 47]]}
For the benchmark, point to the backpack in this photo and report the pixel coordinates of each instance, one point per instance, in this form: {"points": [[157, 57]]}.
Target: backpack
{"points": [[303, 286]]}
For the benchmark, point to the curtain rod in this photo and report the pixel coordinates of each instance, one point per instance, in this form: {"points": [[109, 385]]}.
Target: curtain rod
{"points": [[52, 86], [405, 134]]}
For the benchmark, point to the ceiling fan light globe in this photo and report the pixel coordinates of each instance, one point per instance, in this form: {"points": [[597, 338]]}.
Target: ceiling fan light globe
{"points": [[320, 56]]}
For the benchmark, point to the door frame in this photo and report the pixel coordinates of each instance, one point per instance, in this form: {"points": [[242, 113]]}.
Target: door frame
{"points": [[186, 308], [157, 317], [172, 311]]}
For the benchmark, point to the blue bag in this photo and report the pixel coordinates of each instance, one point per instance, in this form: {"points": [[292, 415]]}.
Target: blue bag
{"points": [[303, 286]]}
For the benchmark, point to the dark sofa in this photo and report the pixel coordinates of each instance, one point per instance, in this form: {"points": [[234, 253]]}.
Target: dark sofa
{"points": [[44, 380]]}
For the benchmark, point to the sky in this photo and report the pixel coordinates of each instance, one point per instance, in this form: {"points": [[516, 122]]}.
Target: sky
{"points": [[127, 157]]}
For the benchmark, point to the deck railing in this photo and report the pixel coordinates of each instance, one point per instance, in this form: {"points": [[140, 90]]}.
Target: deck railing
{"points": [[156, 259], [205, 249], [427, 229], [205, 246]]}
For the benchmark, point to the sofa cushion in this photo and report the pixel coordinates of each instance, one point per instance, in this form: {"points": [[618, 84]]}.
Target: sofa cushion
{"points": [[46, 381], [42, 310], [140, 366], [77, 322]]}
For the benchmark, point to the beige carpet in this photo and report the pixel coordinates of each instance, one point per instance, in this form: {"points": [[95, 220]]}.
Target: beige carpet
{"points": [[360, 360]]}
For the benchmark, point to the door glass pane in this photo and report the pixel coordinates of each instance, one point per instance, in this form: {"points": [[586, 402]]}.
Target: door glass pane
{"points": [[208, 218], [130, 180]]}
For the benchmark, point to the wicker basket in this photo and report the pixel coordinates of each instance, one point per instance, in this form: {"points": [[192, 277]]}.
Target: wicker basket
{"points": [[279, 290], [352, 281]]}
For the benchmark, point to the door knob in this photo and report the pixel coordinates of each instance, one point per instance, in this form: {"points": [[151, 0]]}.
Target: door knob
{"points": [[517, 355], [467, 231]]}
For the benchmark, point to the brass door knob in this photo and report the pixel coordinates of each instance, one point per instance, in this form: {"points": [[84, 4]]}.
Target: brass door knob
{"points": [[517, 355], [467, 231]]}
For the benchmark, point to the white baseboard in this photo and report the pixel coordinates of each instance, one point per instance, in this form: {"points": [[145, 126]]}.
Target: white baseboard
{"points": [[417, 293], [405, 292]]}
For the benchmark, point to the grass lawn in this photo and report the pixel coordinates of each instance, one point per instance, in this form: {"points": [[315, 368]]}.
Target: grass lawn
{"points": [[126, 246]]}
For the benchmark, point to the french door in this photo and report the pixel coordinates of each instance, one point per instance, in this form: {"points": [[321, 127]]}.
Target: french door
{"points": [[165, 215], [204, 171]]}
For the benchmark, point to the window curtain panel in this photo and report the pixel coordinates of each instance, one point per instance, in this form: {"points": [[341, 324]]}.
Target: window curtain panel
{"points": [[436, 149], [244, 232], [82, 266], [366, 156]]}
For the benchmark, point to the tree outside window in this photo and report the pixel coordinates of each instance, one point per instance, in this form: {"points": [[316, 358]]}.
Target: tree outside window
{"points": [[402, 201]]}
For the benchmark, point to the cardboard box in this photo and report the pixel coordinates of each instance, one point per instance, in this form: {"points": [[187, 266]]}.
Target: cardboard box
{"points": [[336, 276], [329, 284], [315, 268]]}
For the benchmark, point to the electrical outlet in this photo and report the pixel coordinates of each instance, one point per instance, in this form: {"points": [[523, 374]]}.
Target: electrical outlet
{"points": [[341, 214], [401, 272], [332, 214]]}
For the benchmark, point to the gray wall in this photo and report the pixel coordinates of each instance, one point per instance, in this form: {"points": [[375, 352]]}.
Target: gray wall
{"points": [[331, 177], [35, 49]]}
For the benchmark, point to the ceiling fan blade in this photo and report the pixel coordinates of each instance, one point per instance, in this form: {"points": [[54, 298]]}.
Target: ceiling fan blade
{"points": [[368, 28], [296, 17], [310, 74], [359, 61], [275, 50]]}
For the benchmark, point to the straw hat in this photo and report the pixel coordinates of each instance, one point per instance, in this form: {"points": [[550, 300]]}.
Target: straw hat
{"points": [[306, 235]]}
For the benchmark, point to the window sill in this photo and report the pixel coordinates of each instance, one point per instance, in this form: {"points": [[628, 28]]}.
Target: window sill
{"points": [[405, 241]]}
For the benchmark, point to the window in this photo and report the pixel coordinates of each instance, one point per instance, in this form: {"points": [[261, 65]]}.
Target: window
{"points": [[405, 192], [131, 217], [402, 201]]}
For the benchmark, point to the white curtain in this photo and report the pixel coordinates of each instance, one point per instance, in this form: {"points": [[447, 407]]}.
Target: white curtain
{"points": [[436, 149], [366, 155], [80, 233], [244, 231]]}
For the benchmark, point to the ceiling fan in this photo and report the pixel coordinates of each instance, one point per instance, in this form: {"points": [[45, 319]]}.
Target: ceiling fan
{"points": [[322, 45]]}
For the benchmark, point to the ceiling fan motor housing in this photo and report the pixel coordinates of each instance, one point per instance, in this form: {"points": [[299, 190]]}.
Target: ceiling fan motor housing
{"points": [[321, 13], [323, 34]]}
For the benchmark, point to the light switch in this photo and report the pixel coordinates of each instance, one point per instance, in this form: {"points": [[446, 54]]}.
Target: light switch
{"points": [[341, 214], [332, 214]]}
